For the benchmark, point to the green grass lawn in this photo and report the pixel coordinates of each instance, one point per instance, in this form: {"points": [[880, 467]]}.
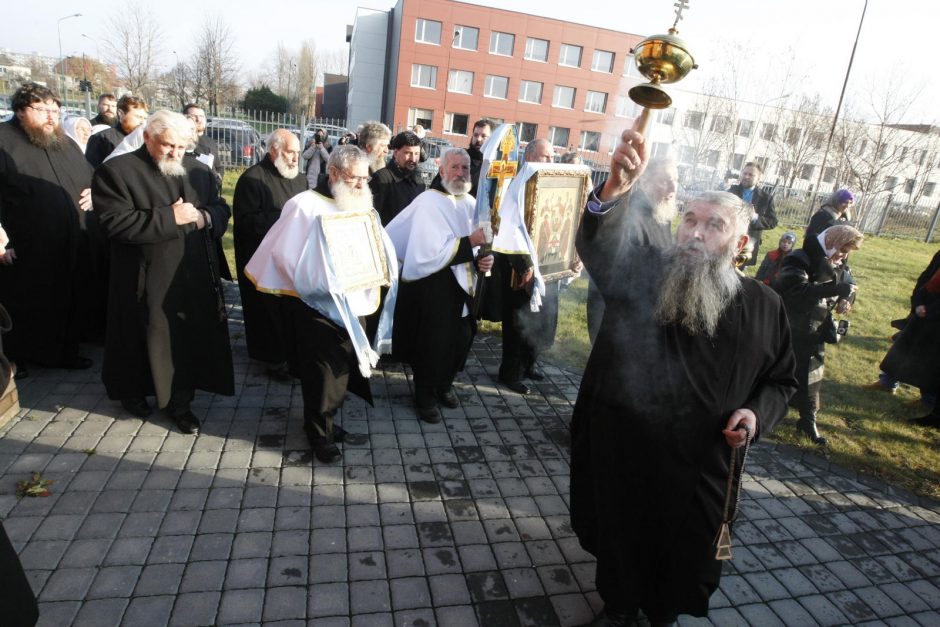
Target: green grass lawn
{"points": [[866, 429]]}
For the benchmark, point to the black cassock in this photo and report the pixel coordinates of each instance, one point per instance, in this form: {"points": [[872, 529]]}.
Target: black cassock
{"points": [[208, 146], [649, 464], [102, 144], [166, 323], [43, 288], [260, 194]]}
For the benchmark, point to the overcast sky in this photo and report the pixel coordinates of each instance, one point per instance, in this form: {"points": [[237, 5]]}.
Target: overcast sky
{"points": [[898, 37]]}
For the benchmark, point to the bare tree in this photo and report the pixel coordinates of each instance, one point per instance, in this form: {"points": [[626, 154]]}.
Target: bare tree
{"points": [[215, 65], [701, 133], [306, 79], [134, 46], [801, 137]]}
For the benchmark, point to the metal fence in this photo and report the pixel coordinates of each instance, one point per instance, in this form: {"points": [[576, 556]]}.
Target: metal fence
{"points": [[882, 213]]}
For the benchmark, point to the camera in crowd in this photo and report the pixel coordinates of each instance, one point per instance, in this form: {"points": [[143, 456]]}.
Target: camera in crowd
{"points": [[842, 329]]}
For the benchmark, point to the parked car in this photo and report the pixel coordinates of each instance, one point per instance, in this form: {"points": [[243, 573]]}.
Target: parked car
{"points": [[238, 146], [227, 123], [433, 148]]}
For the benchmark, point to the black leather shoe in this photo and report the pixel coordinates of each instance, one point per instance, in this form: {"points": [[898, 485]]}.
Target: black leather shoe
{"points": [[339, 434], [448, 398], [808, 428], [534, 375], [137, 406], [516, 386], [429, 414], [187, 423], [323, 448]]}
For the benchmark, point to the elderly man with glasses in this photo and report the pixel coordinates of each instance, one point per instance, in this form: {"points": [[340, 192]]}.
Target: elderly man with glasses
{"points": [[44, 204]]}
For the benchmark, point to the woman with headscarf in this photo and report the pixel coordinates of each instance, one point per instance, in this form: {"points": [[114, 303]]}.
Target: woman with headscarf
{"points": [[813, 283], [836, 210], [79, 129]]}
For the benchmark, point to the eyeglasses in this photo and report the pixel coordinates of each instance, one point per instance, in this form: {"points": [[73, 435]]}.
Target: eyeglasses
{"points": [[44, 110], [352, 180]]}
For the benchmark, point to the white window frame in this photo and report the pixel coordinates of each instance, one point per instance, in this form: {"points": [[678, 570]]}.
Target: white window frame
{"points": [[552, 132], [594, 95], [562, 56], [582, 144], [421, 25], [457, 79], [527, 54], [449, 123], [458, 37], [495, 37], [559, 89], [415, 112], [488, 87], [420, 67], [610, 66], [522, 90]]}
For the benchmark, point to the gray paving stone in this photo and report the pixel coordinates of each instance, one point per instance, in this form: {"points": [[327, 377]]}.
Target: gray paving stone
{"points": [[823, 611], [101, 613], [367, 566], [409, 593], [241, 606], [147, 611], [287, 571], [68, 584], [204, 577], [404, 563], [58, 613], [194, 609], [328, 568], [288, 602], [246, 573], [369, 596]]}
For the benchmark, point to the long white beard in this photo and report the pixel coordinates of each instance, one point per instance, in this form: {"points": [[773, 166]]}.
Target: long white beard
{"points": [[170, 167], [457, 186], [696, 287], [665, 210], [350, 198], [285, 169]]}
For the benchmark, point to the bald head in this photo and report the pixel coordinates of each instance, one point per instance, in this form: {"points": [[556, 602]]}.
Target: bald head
{"points": [[539, 151]]}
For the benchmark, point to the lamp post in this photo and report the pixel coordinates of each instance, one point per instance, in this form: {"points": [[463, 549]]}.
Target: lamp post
{"points": [[58, 27], [835, 117]]}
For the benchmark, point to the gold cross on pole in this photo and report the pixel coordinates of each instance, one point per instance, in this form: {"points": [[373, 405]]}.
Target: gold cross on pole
{"points": [[501, 170]]}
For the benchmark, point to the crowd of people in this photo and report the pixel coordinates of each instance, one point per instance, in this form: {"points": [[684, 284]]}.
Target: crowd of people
{"points": [[114, 236]]}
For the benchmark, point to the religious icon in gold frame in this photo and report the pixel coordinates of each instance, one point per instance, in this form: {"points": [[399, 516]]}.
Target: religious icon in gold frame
{"points": [[355, 246], [554, 199]]}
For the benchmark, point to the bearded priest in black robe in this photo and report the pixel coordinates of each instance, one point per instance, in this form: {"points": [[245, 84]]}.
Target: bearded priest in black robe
{"points": [[44, 199], [260, 194], [689, 353], [131, 113], [167, 331], [435, 240]]}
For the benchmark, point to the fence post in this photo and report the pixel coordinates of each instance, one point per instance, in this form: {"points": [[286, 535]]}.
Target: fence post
{"points": [[933, 224], [884, 215]]}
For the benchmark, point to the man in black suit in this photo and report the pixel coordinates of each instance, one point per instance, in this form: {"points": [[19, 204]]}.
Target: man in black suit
{"points": [[763, 216], [206, 145]]}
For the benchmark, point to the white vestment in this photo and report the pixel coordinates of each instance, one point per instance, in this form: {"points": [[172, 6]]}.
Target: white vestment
{"points": [[293, 259], [427, 234]]}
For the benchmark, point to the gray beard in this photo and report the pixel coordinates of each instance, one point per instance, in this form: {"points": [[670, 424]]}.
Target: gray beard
{"points": [[456, 187], [664, 211], [376, 162], [350, 199], [169, 167], [40, 139], [286, 170], [695, 290]]}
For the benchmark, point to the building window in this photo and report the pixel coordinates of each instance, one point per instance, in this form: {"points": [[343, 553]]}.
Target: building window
{"points": [[784, 168], [693, 119], [890, 183], [929, 188], [558, 136], [502, 43], [460, 82], [596, 102], [817, 139], [564, 97], [666, 116], [830, 175], [764, 163], [737, 161], [428, 31], [630, 69], [793, 135], [745, 128], [806, 173], [660, 149], [423, 76], [530, 91], [527, 131], [686, 154], [456, 123], [496, 87], [767, 131], [719, 124], [626, 108], [909, 186], [590, 140], [711, 158], [424, 117], [603, 61], [466, 37], [570, 55], [536, 49]]}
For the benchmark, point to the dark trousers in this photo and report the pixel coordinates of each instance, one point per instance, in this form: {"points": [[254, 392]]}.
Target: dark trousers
{"points": [[526, 333], [17, 600]]}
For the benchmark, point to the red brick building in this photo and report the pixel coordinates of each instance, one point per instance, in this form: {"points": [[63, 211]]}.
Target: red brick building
{"points": [[449, 63]]}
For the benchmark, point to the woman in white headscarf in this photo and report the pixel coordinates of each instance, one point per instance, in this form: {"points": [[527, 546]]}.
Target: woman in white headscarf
{"points": [[79, 129]]}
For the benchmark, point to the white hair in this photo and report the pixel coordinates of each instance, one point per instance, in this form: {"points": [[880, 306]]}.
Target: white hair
{"points": [[163, 121]]}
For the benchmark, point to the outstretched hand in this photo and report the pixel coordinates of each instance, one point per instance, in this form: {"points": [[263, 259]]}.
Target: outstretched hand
{"points": [[628, 160]]}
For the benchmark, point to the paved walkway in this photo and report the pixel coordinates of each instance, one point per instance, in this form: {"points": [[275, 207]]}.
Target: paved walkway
{"points": [[462, 523]]}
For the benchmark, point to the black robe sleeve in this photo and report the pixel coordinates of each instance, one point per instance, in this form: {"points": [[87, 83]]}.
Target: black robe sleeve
{"points": [[121, 220]]}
